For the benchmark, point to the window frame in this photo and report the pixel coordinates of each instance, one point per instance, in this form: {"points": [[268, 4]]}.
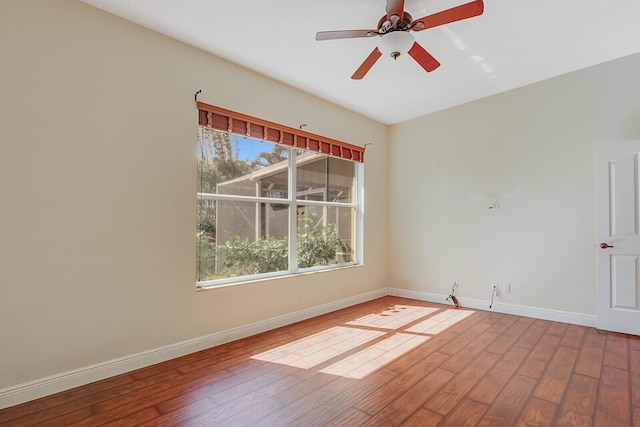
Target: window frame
{"points": [[292, 202]]}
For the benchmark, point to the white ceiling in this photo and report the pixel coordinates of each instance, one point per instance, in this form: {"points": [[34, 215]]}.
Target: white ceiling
{"points": [[514, 43]]}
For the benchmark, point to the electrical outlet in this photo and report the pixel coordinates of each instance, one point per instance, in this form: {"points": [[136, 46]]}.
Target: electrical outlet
{"points": [[506, 288], [299, 295]]}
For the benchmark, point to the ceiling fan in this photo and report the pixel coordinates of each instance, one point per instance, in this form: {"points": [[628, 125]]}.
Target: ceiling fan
{"points": [[395, 38]]}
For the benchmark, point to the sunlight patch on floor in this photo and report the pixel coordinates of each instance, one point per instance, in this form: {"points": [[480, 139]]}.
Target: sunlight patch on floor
{"points": [[394, 317], [440, 322], [368, 343], [315, 349], [364, 362]]}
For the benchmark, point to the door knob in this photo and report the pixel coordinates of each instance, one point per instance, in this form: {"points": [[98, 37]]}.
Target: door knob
{"points": [[605, 246]]}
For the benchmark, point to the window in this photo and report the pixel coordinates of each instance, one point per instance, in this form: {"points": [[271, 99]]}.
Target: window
{"points": [[268, 209]]}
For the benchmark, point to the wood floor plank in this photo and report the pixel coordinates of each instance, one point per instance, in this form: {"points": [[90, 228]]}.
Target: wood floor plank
{"points": [[573, 336], [422, 418], [351, 417], [247, 382], [305, 404], [465, 337], [578, 407], [634, 364], [182, 401], [504, 324], [70, 409], [404, 405], [537, 360], [68, 401], [616, 354], [378, 400], [415, 356], [313, 383], [590, 356], [466, 414], [553, 383], [247, 417], [467, 319], [532, 334], [179, 414], [419, 364], [252, 373], [508, 338], [510, 402], [497, 377], [470, 351], [495, 319], [454, 391], [221, 413], [557, 328], [538, 412], [266, 392], [67, 419], [613, 401], [342, 402], [130, 403], [135, 419]]}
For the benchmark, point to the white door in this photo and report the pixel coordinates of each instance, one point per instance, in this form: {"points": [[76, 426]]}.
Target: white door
{"points": [[618, 246]]}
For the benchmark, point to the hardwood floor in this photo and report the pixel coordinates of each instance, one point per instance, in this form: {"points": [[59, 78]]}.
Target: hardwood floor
{"points": [[388, 362]]}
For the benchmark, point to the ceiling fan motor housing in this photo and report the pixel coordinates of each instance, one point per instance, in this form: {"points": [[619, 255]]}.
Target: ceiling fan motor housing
{"points": [[385, 26], [395, 43]]}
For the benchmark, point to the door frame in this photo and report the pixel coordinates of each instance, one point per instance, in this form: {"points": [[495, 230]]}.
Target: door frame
{"points": [[604, 154]]}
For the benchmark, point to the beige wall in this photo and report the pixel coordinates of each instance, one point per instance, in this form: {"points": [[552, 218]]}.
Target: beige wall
{"points": [[97, 190], [535, 146]]}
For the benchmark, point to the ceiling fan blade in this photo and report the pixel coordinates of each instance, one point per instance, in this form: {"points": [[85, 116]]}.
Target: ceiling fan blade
{"points": [[467, 10], [364, 68], [345, 34], [424, 58], [395, 7]]}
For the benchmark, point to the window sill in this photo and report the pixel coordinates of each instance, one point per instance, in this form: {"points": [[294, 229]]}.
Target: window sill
{"points": [[204, 286]]}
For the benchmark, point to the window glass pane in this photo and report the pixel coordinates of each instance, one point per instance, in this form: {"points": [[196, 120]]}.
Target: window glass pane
{"points": [[325, 235], [344, 220], [324, 178], [206, 241], [273, 181], [251, 238], [311, 180], [341, 179], [229, 164]]}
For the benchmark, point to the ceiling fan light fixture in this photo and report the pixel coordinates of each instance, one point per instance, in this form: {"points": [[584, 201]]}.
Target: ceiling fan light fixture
{"points": [[395, 43], [395, 39]]}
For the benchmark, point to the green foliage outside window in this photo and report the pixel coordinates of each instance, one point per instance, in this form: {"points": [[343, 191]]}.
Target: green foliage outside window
{"points": [[205, 256], [316, 246], [242, 257]]}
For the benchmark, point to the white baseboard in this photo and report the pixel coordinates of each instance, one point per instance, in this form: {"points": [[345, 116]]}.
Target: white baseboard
{"points": [[36, 389], [499, 307]]}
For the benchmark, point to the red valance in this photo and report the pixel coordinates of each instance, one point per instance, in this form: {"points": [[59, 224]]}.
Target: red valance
{"points": [[251, 127]]}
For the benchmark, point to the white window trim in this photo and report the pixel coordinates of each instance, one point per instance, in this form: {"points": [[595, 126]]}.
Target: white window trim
{"points": [[291, 203]]}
